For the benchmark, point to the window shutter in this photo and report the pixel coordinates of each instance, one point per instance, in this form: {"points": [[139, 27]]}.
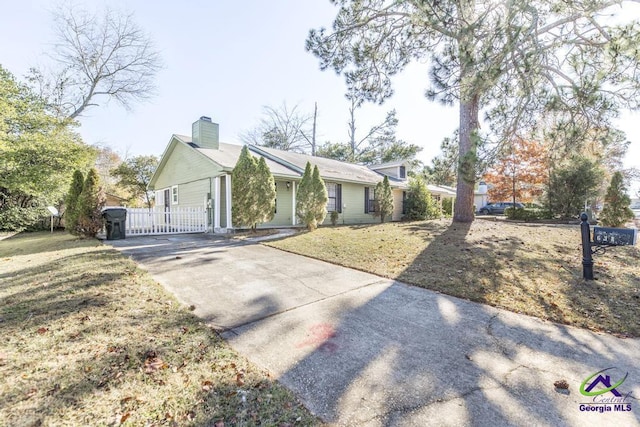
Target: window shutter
{"points": [[339, 198], [366, 199]]}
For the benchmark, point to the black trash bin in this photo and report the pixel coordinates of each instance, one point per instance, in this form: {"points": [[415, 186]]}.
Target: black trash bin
{"points": [[115, 219]]}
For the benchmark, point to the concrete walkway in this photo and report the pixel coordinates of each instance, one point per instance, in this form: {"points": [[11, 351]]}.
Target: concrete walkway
{"points": [[361, 350]]}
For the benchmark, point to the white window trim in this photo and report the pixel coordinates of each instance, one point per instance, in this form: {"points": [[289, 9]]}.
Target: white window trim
{"points": [[174, 195]]}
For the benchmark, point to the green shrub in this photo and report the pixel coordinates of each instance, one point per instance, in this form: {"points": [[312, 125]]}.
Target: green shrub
{"points": [[334, 217], [15, 218], [447, 207], [526, 214], [419, 204]]}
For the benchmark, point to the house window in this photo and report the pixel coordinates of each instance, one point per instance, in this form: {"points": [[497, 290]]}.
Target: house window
{"points": [[369, 200], [403, 172], [334, 203], [174, 195]]}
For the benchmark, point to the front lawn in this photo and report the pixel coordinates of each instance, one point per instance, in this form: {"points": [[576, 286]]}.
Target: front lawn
{"points": [[531, 269], [87, 338]]}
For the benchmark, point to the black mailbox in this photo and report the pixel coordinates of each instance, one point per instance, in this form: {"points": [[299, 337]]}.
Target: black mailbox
{"points": [[615, 236]]}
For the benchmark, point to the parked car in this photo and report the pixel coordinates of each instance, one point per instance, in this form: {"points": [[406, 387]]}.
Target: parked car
{"points": [[498, 208]]}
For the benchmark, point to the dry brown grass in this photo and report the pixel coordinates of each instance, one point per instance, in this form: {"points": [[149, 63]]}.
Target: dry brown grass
{"points": [[89, 339], [525, 268]]}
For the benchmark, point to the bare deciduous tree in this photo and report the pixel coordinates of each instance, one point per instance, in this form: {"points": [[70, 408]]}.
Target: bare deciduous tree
{"points": [[283, 128], [99, 56]]}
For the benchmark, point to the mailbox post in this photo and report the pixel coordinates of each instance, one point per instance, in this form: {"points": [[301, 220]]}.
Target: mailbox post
{"points": [[587, 255], [603, 238]]}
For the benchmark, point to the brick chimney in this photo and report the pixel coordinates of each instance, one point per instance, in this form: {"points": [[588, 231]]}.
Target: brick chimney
{"points": [[205, 133]]}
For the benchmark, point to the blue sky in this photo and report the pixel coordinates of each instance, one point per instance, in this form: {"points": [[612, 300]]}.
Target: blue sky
{"points": [[227, 59]]}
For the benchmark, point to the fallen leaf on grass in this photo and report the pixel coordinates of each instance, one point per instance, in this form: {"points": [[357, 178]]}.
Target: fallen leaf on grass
{"points": [[240, 378], [219, 423], [207, 385], [42, 330], [124, 417], [32, 392], [154, 364]]}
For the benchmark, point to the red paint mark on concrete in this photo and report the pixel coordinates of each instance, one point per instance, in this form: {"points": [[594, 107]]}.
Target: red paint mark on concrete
{"points": [[319, 335]]}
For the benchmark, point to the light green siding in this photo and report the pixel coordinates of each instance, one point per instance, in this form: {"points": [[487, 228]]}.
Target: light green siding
{"points": [[284, 205], [185, 165], [193, 194], [353, 206]]}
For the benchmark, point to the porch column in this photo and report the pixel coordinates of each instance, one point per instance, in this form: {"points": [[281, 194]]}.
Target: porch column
{"points": [[228, 199], [216, 200], [293, 204]]}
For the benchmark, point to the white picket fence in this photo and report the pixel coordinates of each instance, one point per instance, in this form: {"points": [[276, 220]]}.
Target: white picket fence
{"points": [[141, 221]]}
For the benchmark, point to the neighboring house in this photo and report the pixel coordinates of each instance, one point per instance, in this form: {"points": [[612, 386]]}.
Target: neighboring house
{"points": [[481, 196], [195, 171], [397, 173], [115, 201]]}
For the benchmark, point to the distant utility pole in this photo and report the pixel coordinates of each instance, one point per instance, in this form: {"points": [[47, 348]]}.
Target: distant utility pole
{"points": [[313, 136]]}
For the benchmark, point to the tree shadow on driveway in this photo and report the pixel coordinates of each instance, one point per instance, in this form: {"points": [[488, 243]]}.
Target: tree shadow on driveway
{"points": [[392, 354]]}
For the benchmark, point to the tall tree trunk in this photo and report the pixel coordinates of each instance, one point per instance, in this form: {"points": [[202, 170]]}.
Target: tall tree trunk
{"points": [[469, 108], [352, 130], [469, 124]]}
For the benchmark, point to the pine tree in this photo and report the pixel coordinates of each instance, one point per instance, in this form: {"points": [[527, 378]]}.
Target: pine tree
{"points": [[508, 62], [616, 210], [244, 179], [72, 201], [570, 184], [90, 204], [384, 199], [321, 196], [311, 198], [266, 192], [304, 199]]}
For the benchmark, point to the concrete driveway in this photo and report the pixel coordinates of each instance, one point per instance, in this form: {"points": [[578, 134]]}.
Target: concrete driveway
{"points": [[362, 350]]}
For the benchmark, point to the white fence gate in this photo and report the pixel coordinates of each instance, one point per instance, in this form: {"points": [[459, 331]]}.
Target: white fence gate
{"points": [[142, 221]]}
